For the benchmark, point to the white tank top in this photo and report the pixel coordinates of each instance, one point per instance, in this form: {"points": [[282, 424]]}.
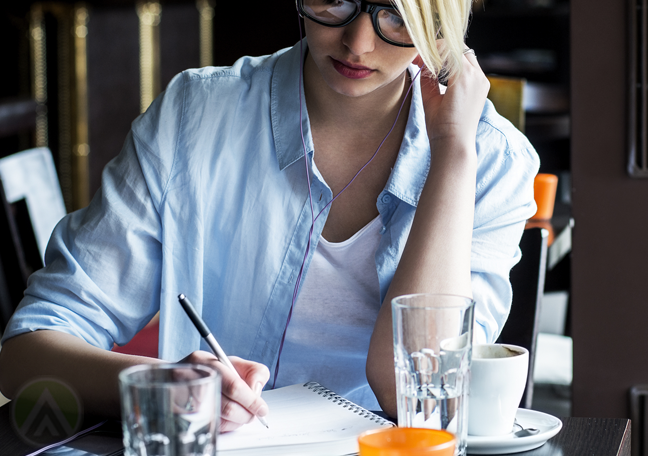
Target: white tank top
{"points": [[328, 336]]}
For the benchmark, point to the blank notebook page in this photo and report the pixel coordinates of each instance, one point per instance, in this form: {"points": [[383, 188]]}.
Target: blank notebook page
{"points": [[303, 418]]}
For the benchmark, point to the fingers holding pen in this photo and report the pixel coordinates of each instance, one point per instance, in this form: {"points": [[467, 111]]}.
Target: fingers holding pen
{"points": [[255, 375], [241, 397], [240, 393], [241, 380]]}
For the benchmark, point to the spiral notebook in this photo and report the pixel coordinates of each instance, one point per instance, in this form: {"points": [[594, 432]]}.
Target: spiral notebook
{"points": [[306, 419]]}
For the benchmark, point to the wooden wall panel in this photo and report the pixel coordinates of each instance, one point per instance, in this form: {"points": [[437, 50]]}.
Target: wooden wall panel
{"points": [[610, 243], [179, 40], [113, 83], [113, 57]]}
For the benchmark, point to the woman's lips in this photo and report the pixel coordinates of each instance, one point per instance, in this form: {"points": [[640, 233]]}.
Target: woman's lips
{"points": [[350, 70]]}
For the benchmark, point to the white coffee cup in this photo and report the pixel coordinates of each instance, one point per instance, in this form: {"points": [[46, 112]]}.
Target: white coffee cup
{"points": [[498, 375]]}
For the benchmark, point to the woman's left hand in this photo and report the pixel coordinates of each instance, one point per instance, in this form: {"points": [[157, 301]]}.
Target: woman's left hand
{"points": [[454, 115]]}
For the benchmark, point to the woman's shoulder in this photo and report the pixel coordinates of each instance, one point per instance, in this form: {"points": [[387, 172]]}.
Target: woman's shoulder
{"points": [[246, 69], [503, 152], [496, 135], [212, 92]]}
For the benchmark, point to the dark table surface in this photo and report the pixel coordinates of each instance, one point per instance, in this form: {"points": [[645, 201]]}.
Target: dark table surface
{"points": [[578, 437], [588, 437]]}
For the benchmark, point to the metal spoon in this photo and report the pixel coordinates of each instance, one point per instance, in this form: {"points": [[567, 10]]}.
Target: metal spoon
{"points": [[525, 432]]}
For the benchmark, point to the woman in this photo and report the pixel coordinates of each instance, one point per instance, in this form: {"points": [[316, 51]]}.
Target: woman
{"points": [[212, 197]]}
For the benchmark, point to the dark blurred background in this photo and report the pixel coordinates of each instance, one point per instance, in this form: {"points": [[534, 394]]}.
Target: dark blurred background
{"points": [[113, 67]]}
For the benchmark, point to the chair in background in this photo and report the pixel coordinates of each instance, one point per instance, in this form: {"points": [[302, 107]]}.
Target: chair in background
{"points": [[31, 204], [13, 267], [507, 95], [31, 175], [527, 281]]}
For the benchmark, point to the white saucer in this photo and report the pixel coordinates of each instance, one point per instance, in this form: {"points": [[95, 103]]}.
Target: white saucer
{"points": [[503, 444]]}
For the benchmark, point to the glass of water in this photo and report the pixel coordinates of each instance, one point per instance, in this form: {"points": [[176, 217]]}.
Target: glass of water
{"points": [[170, 410], [432, 354]]}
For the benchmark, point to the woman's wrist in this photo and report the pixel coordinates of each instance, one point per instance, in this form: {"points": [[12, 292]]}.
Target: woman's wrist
{"points": [[453, 159], [454, 147]]}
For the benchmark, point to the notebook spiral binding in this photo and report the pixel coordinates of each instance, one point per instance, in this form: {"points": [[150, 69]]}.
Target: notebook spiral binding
{"points": [[337, 399]]}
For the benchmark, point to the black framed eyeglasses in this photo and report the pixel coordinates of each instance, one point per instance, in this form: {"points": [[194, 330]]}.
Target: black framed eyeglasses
{"points": [[387, 21]]}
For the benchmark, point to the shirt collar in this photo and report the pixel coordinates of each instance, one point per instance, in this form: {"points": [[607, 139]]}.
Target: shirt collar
{"points": [[284, 108], [413, 163]]}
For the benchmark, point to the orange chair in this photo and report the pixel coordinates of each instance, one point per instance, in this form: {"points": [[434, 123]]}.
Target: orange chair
{"points": [[544, 191]]}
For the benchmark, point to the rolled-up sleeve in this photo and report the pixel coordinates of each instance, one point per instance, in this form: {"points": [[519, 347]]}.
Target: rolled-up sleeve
{"points": [[103, 263], [503, 202]]}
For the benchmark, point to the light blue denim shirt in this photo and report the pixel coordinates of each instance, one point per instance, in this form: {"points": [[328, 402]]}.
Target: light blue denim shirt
{"points": [[209, 198]]}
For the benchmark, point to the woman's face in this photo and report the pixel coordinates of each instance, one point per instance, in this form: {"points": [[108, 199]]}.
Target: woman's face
{"points": [[353, 60]]}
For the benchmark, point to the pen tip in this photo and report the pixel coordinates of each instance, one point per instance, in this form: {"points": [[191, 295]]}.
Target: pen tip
{"points": [[181, 296]]}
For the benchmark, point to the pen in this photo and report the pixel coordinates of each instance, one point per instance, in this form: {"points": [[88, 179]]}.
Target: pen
{"points": [[209, 338]]}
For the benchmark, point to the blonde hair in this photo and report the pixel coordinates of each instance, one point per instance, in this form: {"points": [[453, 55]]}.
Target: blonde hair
{"points": [[429, 20]]}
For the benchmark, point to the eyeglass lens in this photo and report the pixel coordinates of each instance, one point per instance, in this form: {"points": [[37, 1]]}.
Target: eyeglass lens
{"points": [[336, 12]]}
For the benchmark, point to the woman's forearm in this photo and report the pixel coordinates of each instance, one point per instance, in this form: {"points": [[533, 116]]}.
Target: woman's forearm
{"points": [[436, 258], [92, 372]]}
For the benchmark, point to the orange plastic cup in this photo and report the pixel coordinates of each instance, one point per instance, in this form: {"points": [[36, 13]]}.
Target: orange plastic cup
{"points": [[406, 442], [544, 189]]}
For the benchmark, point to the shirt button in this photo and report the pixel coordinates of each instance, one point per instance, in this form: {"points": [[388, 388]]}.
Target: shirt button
{"points": [[383, 229], [386, 198]]}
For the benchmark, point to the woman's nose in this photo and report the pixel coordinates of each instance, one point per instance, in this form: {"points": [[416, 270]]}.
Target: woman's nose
{"points": [[359, 35]]}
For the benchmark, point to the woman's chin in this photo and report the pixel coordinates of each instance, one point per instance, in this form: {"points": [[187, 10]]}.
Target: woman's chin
{"points": [[353, 88]]}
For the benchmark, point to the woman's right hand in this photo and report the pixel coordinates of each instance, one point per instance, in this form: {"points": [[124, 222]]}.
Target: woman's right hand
{"points": [[240, 397]]}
